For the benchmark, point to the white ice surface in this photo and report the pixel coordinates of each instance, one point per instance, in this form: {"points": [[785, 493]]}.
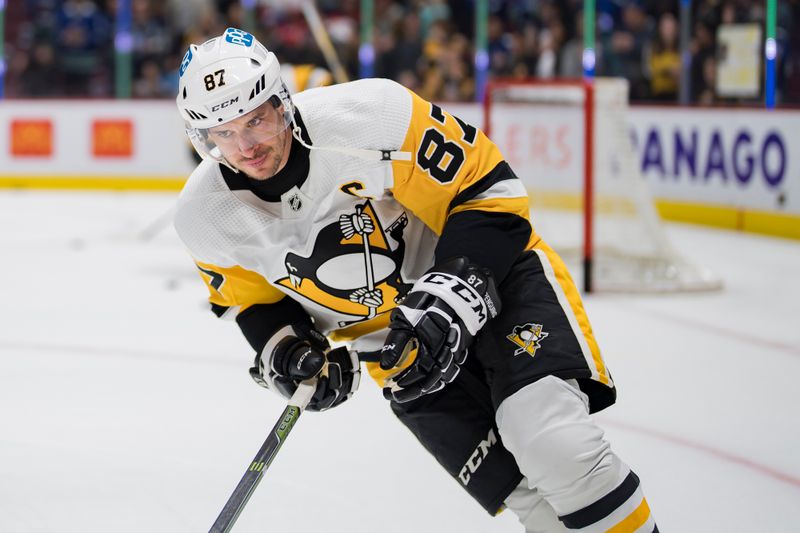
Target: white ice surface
{"points": [[125, 406]]}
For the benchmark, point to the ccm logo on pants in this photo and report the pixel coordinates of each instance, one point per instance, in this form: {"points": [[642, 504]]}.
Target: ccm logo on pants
{"points": [[477, 457]]}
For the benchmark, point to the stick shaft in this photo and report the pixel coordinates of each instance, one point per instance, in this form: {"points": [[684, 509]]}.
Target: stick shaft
{"points": [[241, 494], [320, 35]]}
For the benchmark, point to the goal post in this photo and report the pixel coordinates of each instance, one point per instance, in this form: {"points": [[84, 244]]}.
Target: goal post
{"points": [[570, 144]]}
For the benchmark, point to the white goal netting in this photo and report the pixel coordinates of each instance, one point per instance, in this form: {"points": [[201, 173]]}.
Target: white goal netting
{"points": [[540, 130]]}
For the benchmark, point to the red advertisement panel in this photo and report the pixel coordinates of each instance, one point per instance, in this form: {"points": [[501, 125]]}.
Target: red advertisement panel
{"points": [[31, 138], [112, 138]]}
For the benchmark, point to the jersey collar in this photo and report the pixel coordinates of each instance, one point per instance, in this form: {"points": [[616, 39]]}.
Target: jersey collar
{"points": [[292, 175]]}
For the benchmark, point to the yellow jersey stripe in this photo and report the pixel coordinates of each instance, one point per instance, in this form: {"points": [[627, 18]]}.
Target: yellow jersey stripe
{"points": [[633, 521], [418, 188], [236, 286], [570, 300]]}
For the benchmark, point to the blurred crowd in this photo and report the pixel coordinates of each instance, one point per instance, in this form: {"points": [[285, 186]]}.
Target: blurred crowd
{"points": [[65, 48]]}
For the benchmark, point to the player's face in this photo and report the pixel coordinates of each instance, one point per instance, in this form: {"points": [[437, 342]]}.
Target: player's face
{"points": [[257, 143]]}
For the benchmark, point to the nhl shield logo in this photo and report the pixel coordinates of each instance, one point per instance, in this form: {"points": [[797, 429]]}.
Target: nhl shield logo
{"points": [[295, 203], [528, 337]]}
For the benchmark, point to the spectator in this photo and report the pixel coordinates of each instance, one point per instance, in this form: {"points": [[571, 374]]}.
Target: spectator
{"points": [[84, 41], [732, 13], [151, 83], [431, 12], [410, 79], [524, 48], [551, 41], [152, 44], [458, 83], [664, 60], [65, 47], [40, 78], [789, 57], [570, 62], [707, 95], [702, 48], [435, 41], [530, 46], [405, 50], [432, 83], [623, 53], [498, 49]]}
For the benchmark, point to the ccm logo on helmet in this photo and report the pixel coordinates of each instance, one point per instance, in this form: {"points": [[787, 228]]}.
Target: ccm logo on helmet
{"points": [[223, 105]]}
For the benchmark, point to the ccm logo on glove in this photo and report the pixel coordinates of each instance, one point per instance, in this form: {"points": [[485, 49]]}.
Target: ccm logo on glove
{"points": [[302, 358], [469, 304]]}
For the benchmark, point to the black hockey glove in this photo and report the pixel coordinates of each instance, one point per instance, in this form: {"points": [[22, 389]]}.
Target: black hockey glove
{"points": [[297, 353], [439, 318]]}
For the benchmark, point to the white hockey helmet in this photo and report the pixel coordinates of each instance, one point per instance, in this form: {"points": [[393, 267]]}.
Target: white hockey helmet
{"points": [[224, 78]]}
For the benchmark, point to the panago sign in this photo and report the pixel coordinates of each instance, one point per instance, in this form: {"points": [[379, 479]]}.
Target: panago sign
{"points": [[729, 157], [733, 157]]}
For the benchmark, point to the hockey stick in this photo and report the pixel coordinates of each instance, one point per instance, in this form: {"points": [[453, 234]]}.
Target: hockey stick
{"points": [[157, 226], [262, 460], [320, 35]]}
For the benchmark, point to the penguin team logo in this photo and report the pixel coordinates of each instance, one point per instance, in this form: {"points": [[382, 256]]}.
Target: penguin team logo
{"points": [[528, 337], [353, 268]]}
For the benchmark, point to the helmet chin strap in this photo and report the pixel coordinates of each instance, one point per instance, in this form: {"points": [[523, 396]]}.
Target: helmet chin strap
{"points": [[361, 153], [224, 161]]}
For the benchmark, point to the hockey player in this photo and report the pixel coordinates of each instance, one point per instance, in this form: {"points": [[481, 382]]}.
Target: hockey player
{"points": [[361, 213]]}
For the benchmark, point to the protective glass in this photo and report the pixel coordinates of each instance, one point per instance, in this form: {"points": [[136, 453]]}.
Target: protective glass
{"points": [[259, 126]]}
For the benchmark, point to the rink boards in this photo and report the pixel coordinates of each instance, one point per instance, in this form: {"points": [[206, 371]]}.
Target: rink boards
{"points": [[734, 168]]}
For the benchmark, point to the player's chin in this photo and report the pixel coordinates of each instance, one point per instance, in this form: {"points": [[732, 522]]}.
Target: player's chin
{"points": [[259, 169], [259, 175]]}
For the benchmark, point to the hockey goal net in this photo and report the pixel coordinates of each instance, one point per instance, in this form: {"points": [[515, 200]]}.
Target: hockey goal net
{"points": [[569, 142]]}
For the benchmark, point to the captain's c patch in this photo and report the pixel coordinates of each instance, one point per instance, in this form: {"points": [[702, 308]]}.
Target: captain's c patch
{"points": [[528, 337]]}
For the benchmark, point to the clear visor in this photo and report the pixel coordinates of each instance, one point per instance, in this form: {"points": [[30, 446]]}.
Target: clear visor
{"points": [[258, 127]]}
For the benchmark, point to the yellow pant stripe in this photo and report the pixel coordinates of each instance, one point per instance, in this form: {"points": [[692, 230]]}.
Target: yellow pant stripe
{"points": [[633, 521], [570, 300]]}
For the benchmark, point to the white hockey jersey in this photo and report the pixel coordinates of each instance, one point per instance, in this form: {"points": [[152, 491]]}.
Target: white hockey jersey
{"points": [[350, 241]]}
